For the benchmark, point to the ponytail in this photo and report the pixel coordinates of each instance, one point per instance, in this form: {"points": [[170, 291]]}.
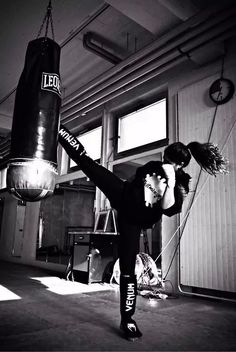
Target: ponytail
{"points": [[208, 157]]}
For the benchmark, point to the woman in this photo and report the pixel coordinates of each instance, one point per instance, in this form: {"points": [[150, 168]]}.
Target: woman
{"points": [[157, 188]]}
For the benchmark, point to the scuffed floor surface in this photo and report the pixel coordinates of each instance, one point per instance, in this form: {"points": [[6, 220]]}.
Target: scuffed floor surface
{"points": [[39, 311]]}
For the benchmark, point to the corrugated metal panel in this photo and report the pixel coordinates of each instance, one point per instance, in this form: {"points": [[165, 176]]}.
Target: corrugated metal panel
{"points": [[208, 244]]}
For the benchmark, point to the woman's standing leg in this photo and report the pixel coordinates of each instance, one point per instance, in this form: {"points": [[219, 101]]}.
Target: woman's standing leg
{"points": [[113, 188], [129, 248]]}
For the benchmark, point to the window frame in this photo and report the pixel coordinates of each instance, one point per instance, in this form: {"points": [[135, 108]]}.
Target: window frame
{"points": [[78, 134], [153, 145]]}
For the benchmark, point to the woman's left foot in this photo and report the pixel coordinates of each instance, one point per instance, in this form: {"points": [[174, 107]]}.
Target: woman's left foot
{"points": [[130, 329]]}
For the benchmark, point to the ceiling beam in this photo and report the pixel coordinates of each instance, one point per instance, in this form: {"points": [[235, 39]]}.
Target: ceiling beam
{"points": [[146, 13], [183, 9]]}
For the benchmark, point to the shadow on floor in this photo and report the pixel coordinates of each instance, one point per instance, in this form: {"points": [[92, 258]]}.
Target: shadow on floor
{"points": [[40, 317]]}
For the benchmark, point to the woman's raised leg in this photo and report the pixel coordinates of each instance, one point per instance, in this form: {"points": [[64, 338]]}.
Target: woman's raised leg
{"points": [[111, 185]]}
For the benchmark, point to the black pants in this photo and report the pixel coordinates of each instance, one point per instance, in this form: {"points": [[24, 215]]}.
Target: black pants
{"points": [[113, 188]]}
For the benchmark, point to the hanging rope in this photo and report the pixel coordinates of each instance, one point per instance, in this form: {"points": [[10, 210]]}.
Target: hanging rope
{"points": [[194, 197], [187, 214], [198, 179], [188, 211], [47, 19]]}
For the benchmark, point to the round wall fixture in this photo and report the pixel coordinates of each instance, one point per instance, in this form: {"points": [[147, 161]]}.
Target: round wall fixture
{"points": [[221, 91]]}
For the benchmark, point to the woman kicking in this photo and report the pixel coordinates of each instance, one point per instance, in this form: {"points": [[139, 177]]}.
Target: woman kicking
{"points": [[157, 188]]}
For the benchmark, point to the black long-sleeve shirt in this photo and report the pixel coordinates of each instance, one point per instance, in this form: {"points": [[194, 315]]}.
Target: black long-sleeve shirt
{"points": [[134, 208]]}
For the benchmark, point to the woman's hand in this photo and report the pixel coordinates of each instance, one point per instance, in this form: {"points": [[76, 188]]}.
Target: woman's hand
{"points": [[168, 199], [170, 175]]}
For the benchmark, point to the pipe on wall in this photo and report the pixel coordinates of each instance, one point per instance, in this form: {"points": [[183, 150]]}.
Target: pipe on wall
{"points": [[133, 84], [90, 41], [141, 76], [169, 37], [86, 107], [166, 54]]}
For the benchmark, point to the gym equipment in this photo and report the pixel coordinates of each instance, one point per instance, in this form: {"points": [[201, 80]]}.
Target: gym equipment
{"points": [[91, 255], [32, 167]]}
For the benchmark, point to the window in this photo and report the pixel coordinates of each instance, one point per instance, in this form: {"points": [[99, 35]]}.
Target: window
{"points": [[92, 142], [142, 127], [3, 178]]}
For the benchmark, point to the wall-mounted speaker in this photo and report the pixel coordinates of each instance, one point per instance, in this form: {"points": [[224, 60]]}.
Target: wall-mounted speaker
{"points": [[92, 255]]}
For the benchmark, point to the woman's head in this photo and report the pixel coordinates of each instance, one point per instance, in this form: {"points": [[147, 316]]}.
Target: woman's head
{"points": [[207, 156], [177, 153]]}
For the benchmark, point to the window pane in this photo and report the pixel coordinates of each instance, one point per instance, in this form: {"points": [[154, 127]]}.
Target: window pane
{"points": [[3, 178], [91, 141], [142, 127]]}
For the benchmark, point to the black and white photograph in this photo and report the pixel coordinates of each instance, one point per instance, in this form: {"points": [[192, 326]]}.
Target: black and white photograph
{"points": [[117, 175]]}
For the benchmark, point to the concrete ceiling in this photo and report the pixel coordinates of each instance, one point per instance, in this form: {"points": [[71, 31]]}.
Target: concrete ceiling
{"points": [[122, 27]]}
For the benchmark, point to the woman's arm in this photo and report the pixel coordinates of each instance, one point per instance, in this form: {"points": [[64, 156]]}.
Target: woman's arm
{"points": [[168, 199]]}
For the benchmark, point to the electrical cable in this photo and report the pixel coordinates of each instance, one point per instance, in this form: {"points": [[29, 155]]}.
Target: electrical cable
{"points": [[198, 180], [225, 143], [199, 176], [194, 197]]}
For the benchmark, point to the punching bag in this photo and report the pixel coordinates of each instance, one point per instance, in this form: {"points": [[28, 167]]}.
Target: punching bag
{"points": [[32, 166]]}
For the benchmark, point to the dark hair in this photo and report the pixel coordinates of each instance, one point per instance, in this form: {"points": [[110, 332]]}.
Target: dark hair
{"points": [[177, 153], [207, 156]]}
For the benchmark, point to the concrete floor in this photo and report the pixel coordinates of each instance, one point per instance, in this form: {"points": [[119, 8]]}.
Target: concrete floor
{"points": [[44, 319]]}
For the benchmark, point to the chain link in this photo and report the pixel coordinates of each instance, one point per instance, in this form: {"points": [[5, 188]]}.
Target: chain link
{"points": [[47, 19]]}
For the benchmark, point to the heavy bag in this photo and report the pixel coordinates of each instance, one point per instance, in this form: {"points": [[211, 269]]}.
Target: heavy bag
{"points": [[32, 166]]}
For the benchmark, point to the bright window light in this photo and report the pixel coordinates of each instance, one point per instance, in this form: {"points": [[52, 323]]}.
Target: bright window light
{"points": [[92, 142], [3, 178], [7, 295], [142, 127]]}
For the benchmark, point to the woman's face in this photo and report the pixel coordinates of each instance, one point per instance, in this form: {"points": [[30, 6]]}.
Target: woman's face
{"points": [[176, 166]]}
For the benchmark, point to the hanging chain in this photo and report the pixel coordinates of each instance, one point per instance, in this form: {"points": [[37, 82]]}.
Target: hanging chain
{"points": [[47, 19]]}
